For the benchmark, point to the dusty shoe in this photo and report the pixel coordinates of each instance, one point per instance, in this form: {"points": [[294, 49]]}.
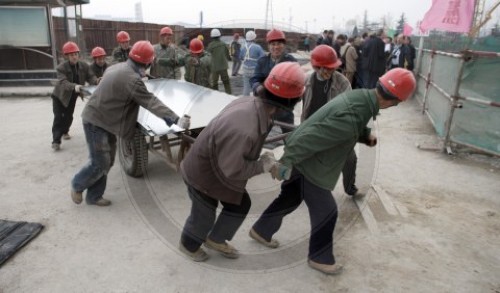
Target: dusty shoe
{"points": [[76, 196], [198, 256], [66, 136], [56, 146], [334, 269], [225, 249], [271, 244], [102, 202]]}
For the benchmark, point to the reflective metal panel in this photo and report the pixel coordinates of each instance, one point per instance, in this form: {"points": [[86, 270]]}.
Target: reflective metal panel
{"points": [[201, 103]]}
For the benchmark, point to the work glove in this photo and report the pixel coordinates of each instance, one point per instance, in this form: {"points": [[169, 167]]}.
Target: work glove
{"points": [[77, 88], [184, 122], [268, 160], [280, 171]]}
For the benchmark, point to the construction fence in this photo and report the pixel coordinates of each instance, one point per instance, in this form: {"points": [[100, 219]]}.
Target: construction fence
{"points": [[460, 93]]}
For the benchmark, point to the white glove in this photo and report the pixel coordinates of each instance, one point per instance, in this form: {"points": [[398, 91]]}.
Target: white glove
{"points": [[268, 160], [77, 88], [184, 122]]}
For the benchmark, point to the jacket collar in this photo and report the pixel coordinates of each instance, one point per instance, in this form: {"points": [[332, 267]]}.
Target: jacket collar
{"points": [[373, 104], [262, 116]]}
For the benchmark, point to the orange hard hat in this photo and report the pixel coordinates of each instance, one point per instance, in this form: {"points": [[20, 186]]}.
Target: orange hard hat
{"points": [[70, 47], [286, 80], [166, 31], [122, 37], [142, 52], [196, 46], [275, 35], [397, 83], [98, 52], [325, 56]]}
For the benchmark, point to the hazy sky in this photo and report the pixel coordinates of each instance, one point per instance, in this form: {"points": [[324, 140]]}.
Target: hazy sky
{"points": [[319, 14]]}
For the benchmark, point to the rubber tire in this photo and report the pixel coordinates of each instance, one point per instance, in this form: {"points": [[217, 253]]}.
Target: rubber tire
{"points": [[134, 154]]}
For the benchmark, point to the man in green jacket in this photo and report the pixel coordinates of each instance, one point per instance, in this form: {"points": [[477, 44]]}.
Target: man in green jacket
{"points": [[197, 64], [168, 58], [314, 156], [220, 55]]}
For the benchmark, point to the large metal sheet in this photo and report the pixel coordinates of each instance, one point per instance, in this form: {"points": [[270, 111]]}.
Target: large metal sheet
{"points": [[201, 103]]}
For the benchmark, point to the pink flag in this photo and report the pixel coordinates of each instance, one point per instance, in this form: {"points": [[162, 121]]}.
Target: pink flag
{"points": [[449, 15], [407, 29]]}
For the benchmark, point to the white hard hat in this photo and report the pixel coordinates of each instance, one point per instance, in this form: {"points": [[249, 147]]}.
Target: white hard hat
{"points": [[250, 36], [215, 33]]}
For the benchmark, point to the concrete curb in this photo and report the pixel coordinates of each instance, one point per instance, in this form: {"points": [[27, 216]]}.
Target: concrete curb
{"points": [[25, 92]]}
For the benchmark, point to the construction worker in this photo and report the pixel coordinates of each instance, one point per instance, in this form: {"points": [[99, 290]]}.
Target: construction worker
{"points": [[197, 64], [168, 58], [120, 53], [99, 65], [220, 56], [235, 54], [71, 75], [112, 111], [223, 158], [314, 156], [249, 55], [276, 42], [324, 84]]}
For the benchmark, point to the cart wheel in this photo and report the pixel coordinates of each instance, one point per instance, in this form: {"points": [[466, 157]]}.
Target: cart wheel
{"points": [[134, 154]]}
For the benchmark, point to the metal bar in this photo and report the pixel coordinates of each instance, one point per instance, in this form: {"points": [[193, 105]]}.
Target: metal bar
{"points": [[426, 93], [284, 125], [52, 36], [480, 101], [453, 105], [454, 55], [276, 138], [484, 53]]}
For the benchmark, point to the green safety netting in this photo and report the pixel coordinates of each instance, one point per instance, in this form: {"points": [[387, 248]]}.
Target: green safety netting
{"points": [[474, 124]]}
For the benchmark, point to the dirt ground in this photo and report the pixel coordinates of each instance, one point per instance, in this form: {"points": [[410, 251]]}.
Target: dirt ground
{"points": [[429, 222]]}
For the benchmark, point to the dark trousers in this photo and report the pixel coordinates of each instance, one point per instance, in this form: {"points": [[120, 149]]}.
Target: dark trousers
{"points": [[322, 213], [349, 173], [286, 117], [372, 79], [225, 80], [202, 219], [63, 117]]}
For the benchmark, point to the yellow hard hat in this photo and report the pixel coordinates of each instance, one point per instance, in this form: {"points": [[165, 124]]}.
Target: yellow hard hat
{"points": [[200, 37]]}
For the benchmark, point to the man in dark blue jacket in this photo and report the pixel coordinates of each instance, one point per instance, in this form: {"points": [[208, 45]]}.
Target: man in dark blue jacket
{"points": [[276, 41]]}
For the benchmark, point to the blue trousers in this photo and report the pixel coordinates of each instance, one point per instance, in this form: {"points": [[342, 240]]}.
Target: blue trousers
{"points": [[93, 176]]}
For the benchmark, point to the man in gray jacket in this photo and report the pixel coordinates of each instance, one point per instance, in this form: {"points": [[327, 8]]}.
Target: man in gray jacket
{"points": [[71, 75], [223, 158], [112, 111]]}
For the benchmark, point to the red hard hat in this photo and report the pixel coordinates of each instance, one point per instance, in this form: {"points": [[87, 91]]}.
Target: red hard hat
{"points": [[399, 83], [286, 80], [98, 52], [325, 56], [166, 31], [275, 35], [70, 47], [122, 37], [142, 52], [236, 36], [196, 46]]}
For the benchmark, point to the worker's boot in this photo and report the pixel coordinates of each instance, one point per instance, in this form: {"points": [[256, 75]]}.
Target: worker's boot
{"points": [[334, 269], [224, 248], [271, 244]]}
